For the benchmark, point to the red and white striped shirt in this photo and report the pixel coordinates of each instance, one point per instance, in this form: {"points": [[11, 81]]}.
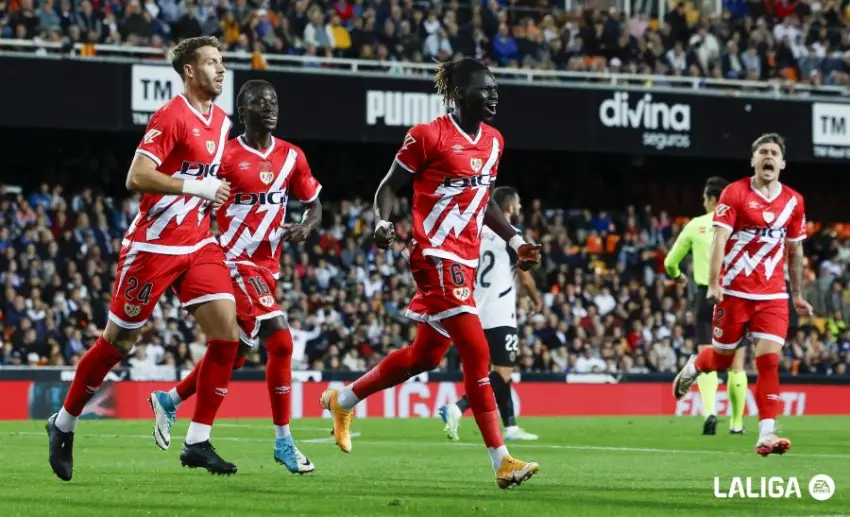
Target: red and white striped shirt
{"points": [[188, 145], [754, 261], [260, 183]]}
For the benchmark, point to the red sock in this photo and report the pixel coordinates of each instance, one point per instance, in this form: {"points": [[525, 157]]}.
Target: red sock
{"points": [[468, 337], [423, 355], [213, 378], [710, 360], [188, 386], [279, 374], [91, 370], [767, 386]]}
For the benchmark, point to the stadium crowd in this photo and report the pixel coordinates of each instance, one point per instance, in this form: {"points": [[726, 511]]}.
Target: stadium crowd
{"points": [[608, 305], [790, 41]]}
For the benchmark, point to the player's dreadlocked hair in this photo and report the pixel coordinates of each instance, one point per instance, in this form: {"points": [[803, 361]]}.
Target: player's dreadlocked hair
{"points": [[769, 138], [185, 53], [455, 74], [251, 86], [714, 186]]}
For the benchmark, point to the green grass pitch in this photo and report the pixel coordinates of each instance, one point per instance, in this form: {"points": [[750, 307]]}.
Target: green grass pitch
{"points": [[654, 466]]}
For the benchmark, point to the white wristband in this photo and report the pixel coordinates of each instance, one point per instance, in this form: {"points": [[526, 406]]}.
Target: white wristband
{"points": [[385, 225], [516, 241], [205, 188]]}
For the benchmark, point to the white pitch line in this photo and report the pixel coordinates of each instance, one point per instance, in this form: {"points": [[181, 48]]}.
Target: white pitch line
{"points": [[457, 444]]}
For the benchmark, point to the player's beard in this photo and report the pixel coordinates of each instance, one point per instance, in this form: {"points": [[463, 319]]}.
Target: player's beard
{"points": [[208, 86]]}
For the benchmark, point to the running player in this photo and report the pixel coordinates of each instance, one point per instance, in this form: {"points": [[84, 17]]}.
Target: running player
{"points": [[754, 220], [169, 244], [453, 162], [696, 238], [495, 297], [261, 170]]}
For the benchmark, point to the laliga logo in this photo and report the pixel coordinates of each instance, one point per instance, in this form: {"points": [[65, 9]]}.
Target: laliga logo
{"points": [[821, 488]]}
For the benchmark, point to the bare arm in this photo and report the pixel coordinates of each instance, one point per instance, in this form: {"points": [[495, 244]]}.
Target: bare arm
{"points": [[385, 197], [313, 215], [795, 267], [143, 177], [527, 282], [718, 249], [495, 219]]}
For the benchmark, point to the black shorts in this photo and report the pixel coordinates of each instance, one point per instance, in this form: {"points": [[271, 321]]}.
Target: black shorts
{"points": [[704, 316], [504, 345]]}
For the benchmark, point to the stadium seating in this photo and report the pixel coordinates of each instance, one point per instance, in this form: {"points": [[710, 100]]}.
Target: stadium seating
{"points": [[781, 42], [609, 310]]}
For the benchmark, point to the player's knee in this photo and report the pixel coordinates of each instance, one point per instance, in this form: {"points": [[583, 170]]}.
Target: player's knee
{"points": [[223, 329], [120, 338], [280, 349]]}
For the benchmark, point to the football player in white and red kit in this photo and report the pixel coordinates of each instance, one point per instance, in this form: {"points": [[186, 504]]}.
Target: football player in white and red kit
{"points": [[262, 171], [169, 244], [755, 220], [453, 161]]}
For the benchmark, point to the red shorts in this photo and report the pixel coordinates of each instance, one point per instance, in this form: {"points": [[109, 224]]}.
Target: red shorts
{"points": [[444, 289], [255, 299], [143, 277], [765, 319]]}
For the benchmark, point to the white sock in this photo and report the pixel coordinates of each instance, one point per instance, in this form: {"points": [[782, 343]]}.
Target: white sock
{"points": [[347, 399], [281, 431], [511, 428], [497, 455], [198, 433], [66, 422], [175, 398], [767, 426]]}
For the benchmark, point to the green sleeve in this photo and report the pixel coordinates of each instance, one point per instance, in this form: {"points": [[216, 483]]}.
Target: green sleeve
{"points": [[680, 248]]}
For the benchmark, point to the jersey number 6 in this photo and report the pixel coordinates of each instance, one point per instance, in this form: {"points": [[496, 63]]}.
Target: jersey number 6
{"points": [[456, 272]]}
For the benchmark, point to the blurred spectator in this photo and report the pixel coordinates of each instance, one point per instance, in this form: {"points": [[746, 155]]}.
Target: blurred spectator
{"points": [[607, 307]]}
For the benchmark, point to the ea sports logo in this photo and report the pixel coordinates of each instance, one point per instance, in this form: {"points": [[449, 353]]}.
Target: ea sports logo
{"points": [[821, 487]]}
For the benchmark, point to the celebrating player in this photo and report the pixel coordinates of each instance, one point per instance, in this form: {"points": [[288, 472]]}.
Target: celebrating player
{"points": [[754, 220], [169, 244], [495, 297], [696, 238], [261, 170], [453, 162]]}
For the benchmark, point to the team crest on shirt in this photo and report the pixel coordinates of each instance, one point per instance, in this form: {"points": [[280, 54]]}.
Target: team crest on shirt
{"points": [[476, 164], [266, 174], [768, 216], [210, 146], [266, 301], [461, 293], [132, 310]]}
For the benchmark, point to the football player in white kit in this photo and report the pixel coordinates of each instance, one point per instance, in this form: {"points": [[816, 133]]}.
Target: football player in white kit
{"points": [[495, 297]]}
